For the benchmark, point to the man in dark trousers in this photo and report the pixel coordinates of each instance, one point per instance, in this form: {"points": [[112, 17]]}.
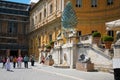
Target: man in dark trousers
{"points": [[116, 60], [116, 67], [32, 61], [26, 59]]}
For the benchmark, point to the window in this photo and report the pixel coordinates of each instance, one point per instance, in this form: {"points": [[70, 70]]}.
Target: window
{"points": [[0, 26], [93, 3], [109, 2], [110, 33], [12, 41], [36, 19], [23, 28], [39, 41], [32, 22], [15, 27], [78, 33], [50, 37], [51, 8], [44, 12], [40, 16], [12, 27], [94, 31], [78, 3]]}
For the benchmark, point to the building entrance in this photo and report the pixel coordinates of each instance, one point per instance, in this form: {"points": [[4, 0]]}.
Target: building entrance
{"points": [[14, 53]]}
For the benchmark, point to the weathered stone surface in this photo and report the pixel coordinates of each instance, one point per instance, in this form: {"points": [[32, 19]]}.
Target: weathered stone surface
{"points": [[84, 66], [49, 62]]}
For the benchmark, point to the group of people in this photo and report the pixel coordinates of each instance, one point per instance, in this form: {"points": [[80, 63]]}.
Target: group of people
{"points": [[17, 61]]}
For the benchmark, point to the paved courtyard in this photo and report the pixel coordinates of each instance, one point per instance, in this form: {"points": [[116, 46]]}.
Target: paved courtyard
{"points": [[43, 72]]}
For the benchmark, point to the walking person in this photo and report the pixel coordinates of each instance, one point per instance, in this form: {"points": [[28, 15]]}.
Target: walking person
{"points": [[116, 68], [8, 66], [14, 61], [3, 61], [19, 60], [26, 59], [116, 60], [43, 60], [32, 61]]}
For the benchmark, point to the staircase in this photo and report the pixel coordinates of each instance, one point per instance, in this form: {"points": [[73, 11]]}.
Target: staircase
{"points": [[100, 57]]}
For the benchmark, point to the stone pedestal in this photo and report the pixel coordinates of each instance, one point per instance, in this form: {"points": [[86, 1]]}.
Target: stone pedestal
{"points": [[49, 62], [84, 66]]}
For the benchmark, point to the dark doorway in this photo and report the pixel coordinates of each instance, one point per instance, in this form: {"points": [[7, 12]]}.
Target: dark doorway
{"points": [[14, 53], [23, 53]]}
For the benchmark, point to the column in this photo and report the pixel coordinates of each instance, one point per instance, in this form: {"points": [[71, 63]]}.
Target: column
{"points": [[8, 52], [19, 52], [71, 57]]}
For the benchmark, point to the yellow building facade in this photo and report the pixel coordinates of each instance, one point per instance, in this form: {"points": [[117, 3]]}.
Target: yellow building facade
{"points": [[45, 20]]}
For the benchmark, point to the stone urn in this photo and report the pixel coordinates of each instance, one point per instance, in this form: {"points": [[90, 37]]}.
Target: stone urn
{"points": [[96, 37], [108, 41], [107, 44]]}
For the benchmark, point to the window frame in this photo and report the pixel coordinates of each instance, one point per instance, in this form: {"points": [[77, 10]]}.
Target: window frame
{"points": [[78, 3], [0, 26], [50, 37], [51, 8], [94, 3], [109, 2], [40, 16], [45, 12], [12, 27]]}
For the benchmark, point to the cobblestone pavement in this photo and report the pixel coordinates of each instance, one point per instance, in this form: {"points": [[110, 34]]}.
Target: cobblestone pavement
{"points": [[43, 72]]}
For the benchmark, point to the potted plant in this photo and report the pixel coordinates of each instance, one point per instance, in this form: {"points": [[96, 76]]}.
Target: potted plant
{"points": [[108, 41], [96, 37], [48, 47], [52, 43]]}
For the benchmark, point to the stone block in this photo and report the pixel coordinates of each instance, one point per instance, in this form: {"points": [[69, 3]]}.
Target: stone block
{"points": [[84, 66], [49, 62]]}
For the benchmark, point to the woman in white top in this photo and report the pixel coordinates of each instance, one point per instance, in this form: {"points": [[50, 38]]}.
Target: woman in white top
{"points": [[116, 67], [8, 67], [116, 60]]}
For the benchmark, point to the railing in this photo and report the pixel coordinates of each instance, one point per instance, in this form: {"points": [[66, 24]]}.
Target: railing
{"points": [[13, 46], [100, 51], [16, 12], [86, 40], [12, 35], [46, 20]]}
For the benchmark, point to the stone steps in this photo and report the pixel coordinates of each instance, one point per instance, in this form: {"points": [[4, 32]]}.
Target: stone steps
{"points": [[59, 66], [104, 68]]}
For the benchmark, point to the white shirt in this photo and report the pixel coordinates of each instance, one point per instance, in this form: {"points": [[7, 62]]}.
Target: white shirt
{"points": [[116, 63]]}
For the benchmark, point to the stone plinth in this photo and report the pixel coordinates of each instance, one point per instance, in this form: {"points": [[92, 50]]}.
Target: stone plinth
{"points": [[84, 66], [49, 62]]}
